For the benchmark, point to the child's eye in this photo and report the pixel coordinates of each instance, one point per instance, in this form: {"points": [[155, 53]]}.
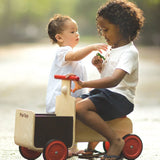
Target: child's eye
{"points": [[74, 32], [105, 30]]}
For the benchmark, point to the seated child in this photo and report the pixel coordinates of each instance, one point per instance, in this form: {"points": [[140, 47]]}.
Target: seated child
{"points": [[119, 22], [63, 30]]}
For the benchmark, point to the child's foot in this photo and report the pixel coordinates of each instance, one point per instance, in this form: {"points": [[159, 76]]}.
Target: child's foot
{"points": [[111, 157], [115, 150], [87, 154], [74, 153]]}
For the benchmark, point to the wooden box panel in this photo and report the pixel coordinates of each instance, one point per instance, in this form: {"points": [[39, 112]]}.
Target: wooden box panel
{"points": [[49, 127]]}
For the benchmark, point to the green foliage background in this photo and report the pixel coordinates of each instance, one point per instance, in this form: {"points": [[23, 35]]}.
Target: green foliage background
{"points": [[26, 20]]}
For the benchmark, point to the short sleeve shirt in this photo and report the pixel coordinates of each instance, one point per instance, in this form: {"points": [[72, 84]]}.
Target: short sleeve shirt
{"points": [[62, 67], [125, 58]]}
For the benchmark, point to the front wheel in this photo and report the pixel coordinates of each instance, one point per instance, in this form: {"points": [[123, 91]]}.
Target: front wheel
{"points": [[133, 147], [106, 146], [55, 150]]}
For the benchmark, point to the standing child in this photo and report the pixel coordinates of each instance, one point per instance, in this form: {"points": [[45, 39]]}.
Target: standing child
{"points": [[119, 22], [63, 30]]}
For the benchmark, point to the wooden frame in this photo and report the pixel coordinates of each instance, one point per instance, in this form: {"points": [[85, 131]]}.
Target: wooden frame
{"points": [[34, 130]]}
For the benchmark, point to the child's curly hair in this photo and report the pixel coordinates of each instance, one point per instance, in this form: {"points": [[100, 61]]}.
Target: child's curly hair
{"points": [[125, 14], [56, 26]]}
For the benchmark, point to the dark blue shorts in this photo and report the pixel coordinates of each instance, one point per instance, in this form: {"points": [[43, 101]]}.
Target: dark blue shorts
{"points": [[109, 105]]}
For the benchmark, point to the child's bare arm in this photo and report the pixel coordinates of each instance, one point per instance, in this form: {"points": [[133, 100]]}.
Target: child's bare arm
{"points": [[106, 82], [83, 52]]}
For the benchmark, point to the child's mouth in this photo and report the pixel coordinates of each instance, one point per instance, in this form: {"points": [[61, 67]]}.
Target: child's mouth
{"points": [[107, 40]]}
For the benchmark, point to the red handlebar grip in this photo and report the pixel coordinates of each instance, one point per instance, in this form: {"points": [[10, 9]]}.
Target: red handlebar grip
{"points": [[74, 78]]}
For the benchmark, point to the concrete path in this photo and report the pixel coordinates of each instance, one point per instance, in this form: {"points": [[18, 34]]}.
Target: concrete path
{"points": [[24, 73]]}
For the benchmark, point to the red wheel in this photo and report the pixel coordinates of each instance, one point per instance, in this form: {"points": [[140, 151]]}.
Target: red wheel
{"points": [[133, 147], [55, 150], [29, 154], [106, 146]]}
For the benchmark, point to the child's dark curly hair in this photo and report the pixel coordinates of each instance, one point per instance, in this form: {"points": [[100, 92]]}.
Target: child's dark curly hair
{"points": [[56, 26], [125, 14]]}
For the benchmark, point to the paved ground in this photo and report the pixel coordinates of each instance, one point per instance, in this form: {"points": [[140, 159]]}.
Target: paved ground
{"points": [[24, 73]]}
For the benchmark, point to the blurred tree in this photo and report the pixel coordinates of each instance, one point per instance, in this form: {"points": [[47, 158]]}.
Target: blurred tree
{"points": [[25, 20], [151, 30], [86, 15]]}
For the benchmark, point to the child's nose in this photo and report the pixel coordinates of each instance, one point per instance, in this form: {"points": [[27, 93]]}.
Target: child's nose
{"points": [[77, 33], [104, 34]]}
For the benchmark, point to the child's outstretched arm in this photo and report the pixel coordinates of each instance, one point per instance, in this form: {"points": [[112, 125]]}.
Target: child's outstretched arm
{"points": [[83, 52], [106, 82]]}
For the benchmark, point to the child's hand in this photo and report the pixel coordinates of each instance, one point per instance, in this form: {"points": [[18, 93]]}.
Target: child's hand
{"points": [[100, 55], [97, 62], [78, 85], [100, 46], [69, 74]]}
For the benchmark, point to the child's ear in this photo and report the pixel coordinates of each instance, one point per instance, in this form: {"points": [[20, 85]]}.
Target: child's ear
{"points": [[59, 38]]}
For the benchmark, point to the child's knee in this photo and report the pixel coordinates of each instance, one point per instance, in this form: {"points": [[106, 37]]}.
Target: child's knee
{"points": [[79, 108], [78, 99]]}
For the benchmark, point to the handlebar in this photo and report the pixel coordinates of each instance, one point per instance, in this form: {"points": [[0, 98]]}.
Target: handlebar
{"points": [[74, 78]]}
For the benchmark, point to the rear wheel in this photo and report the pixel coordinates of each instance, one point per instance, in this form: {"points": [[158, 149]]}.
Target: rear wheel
{"points": [[133, 147], [55, 150], [106, 146], [29, 154]]}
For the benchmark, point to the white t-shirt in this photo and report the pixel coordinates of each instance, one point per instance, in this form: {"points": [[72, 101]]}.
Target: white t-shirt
{"points": [[125, 58], [62, 67]]}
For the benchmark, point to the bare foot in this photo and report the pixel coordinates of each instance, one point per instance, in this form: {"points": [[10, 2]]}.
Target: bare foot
{"points": [[115, 148], [72, 152]]}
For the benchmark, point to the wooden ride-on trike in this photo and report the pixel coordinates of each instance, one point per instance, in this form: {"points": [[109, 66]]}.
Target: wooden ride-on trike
{"points": [[53, 134]]}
